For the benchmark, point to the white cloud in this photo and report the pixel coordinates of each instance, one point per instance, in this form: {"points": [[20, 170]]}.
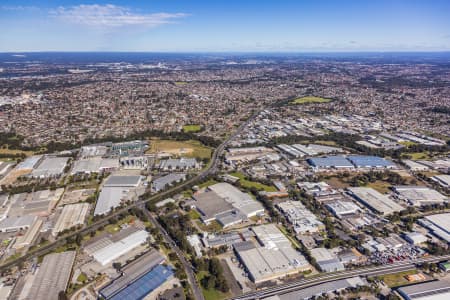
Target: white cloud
{"points": [[112, 16], [18, 8]]}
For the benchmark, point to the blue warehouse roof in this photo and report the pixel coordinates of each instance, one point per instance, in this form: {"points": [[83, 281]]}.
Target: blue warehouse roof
{"points": [[330, 161], [362, 161], [145, 284]]}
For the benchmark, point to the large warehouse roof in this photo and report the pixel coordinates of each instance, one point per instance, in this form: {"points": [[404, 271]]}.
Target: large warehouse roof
{"points": [[420, 195], [71, 215], [210, 205], [434, 290], [375, 200], [146, 284], [330, 162], [241, 201], [115, 250], [363, 161], [50, 166], [133, 271], [53, 276], [275, 258], [110, 197], [123, 181]]}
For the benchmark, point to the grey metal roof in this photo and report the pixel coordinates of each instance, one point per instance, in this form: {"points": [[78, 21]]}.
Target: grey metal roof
{"points": [[122, 181]]}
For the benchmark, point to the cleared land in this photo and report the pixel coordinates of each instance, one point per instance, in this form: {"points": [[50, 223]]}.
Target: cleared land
{"points": [[310, 99], [189, 148], [192, 128], [381, 186], [245, 183], [397, 279], [7, 151]]}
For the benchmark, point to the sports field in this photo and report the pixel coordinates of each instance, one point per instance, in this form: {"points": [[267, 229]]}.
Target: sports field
{"points": [[310, 99], [189, 148], [192, 128]]}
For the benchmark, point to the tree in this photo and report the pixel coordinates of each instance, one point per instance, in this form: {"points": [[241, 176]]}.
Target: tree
{"points": [[117, 266]]}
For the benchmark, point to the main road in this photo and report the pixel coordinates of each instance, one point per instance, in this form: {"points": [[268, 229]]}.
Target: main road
{"points": [[316, 280]]}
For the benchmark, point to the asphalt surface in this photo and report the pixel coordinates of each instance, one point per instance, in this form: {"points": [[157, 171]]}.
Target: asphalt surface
{"points": [[308, 282]]}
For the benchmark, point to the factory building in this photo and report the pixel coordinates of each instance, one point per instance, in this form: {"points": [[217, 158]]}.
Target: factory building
{"points": [[13, 224], [419, 195], [303, 220], [374, 200], [115, 191], [50, 166], [330, 162], [350, 162], [327, 261], [125, 285], [438, 224], [342, 208], [53, 276], [273, 258], [110, 252], [30, 235], [95, 165], [71, 216], [179, 164], [226, 204], [415, 238], [161, 183], [433, 290], [320, 289]]}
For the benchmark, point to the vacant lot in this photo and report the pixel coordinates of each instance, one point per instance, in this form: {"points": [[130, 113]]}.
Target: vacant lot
{"points": [[310, 99], [192, 128], [397, 279], [7, 151], [180, 148], [249, 184]]}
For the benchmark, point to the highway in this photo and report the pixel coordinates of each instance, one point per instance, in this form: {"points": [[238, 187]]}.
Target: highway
{"points": [[323, 278]]}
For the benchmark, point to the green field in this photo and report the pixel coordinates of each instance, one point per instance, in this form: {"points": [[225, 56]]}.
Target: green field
{"points": [[245, 183], [310, 99], [193, 214], [397, 279], [192, 128], [189, 148], [180, 83], [207, 183], [211, 294]]}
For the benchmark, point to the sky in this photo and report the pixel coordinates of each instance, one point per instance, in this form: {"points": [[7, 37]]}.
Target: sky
{"points": [[225, 25]]}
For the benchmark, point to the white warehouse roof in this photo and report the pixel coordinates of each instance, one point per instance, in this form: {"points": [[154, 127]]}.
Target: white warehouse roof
{"points": [[115, 250]]}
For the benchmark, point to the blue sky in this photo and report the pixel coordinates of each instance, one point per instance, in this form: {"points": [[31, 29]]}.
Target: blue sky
{"points": [[225, 25]]}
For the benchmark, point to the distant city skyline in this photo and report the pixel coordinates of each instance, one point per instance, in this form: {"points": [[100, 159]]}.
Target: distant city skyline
{"points": [[225, 26]]}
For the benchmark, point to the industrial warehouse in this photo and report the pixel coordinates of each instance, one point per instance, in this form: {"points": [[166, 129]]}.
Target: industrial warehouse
{"points": [[303, 220], [115, 191], [350, 162], [52, 275], [138, 278], [374, 200], [272, 258], [226, 204], [438, 225]]}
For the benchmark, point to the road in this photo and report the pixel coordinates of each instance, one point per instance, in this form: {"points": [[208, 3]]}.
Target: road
{"points": [[308, 282], [196, 289]]}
